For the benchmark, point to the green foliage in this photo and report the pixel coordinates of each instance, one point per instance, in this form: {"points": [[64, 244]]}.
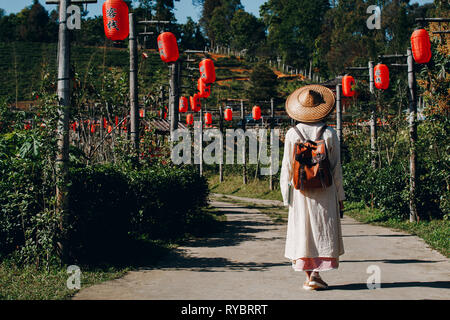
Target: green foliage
{"points": [[293, 27], [262, 84], [383, 188], [27, 217], [100, 202], [248, 32], [433, 168], [216, 18], [167, 199]]}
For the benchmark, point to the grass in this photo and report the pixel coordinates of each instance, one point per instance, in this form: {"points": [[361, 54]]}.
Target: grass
{"points": [[31, 283], [254, 189], [436, 233], [278, 214]]}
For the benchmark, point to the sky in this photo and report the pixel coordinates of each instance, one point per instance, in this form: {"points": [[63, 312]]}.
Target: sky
{"points": [[183, 8]]}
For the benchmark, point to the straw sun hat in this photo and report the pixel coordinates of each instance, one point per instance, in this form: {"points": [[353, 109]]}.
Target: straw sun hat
{"points": [[311, 103]]}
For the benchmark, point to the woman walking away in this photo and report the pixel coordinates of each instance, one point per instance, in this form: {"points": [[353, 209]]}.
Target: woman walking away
{"points": [[311, 185]]}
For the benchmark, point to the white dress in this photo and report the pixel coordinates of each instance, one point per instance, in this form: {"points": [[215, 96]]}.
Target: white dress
{"points": [[314, 227]]}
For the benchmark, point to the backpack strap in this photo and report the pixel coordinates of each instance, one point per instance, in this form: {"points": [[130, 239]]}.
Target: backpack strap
{"points": [[302, 138], [321, 131]]}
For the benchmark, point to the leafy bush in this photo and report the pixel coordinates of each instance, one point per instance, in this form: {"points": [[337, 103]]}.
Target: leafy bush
{"points": [[100, 205], [167, 198], [384, 188], [27, 217]]}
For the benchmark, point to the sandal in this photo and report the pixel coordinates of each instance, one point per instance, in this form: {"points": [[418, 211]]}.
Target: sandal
{"points": [[307, 286], [316, 282]]}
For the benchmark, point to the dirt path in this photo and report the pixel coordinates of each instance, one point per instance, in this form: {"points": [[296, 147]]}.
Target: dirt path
{"points": [[247, 262]]}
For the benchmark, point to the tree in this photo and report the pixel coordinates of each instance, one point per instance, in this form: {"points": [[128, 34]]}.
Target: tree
{"points": [[262, 84], [247, 31], [34, 23], [293, 26], [216, 19], [191, 35], [8, 28]]}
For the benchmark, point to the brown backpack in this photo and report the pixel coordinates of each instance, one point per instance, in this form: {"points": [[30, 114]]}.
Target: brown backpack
{"points": [[311, 167]]}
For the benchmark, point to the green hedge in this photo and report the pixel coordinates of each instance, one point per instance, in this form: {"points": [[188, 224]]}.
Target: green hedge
{"points": [[167, 198], [387, 189], [109, 209]]}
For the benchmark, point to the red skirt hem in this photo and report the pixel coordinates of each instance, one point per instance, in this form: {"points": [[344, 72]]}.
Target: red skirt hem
{"points": [[315, 264]]}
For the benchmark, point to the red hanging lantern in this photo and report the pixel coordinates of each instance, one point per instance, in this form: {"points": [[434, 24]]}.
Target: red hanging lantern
{"points": [[381, 76], [92, 128], [109, 129], [204, 90], [195, 103], [189, 119], [421, 46], [104, 123], [184, 105], [141, 113], [116, 120], [168, 47], [208, 118], [115, 20], [228, 114], [347, 83], [207, 71], [256, 112]]}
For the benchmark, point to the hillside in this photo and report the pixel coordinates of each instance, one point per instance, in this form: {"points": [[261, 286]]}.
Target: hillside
{"points": [[26, 65]]}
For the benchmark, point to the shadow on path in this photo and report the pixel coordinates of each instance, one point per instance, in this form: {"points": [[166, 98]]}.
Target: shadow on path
{"points": [[234, 233], [363, 286], [377, 235], [395, 261]]}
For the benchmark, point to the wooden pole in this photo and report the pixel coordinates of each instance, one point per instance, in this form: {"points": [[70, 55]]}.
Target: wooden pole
{"points": [[272, 124], [339, 113], [162, 101], [201, 142], [413, 217], [62, 133], [174, 97], [244, 166], [134, 100], [221, 131], [373, 118]]}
